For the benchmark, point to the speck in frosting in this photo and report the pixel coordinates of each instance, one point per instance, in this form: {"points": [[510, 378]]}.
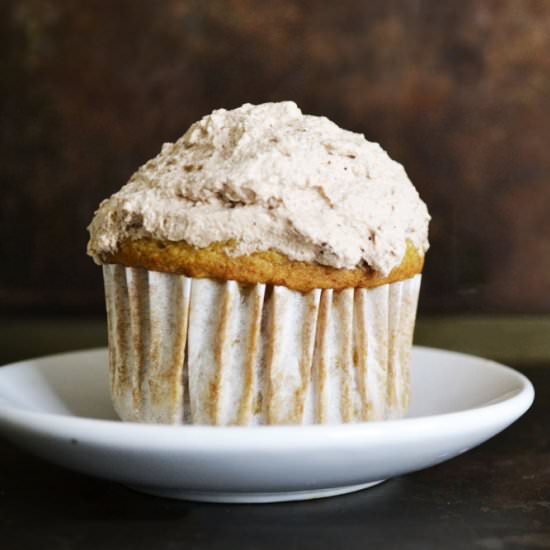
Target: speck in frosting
{"points": [[269, 177]]}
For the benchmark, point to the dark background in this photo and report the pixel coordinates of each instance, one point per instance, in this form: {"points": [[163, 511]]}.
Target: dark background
{"points": [[459, 92]]}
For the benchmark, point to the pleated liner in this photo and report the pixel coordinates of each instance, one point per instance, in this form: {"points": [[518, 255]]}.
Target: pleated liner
{"points": [[200, 351]]}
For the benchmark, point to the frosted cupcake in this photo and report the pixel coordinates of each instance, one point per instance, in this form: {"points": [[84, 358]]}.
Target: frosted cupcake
{"points": [[263, 269]]}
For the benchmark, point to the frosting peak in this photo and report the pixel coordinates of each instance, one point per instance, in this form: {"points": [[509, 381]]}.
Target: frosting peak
{"points": [[268, 177]]}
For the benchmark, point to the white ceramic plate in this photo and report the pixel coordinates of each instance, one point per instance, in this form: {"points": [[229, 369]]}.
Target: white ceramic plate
{"points": [[58, 408]]}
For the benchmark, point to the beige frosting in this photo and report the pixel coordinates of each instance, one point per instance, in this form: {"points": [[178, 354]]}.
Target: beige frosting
{"points": [[268, 177]]}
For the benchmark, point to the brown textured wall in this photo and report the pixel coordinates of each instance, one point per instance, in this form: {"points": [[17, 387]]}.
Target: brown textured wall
{"points": [[458, 92]]}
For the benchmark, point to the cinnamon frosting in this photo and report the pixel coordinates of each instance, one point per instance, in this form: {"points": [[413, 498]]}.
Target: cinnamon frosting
{"points": [[266, 177]]}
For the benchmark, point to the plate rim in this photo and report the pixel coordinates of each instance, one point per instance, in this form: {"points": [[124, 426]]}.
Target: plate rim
{"points": [[106, 431]]}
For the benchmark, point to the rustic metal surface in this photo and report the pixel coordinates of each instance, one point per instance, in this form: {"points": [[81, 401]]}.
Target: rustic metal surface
{"points": [[496, 497], [457, 92]]}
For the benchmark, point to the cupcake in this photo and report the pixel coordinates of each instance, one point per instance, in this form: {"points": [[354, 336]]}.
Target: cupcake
{"points": [[263, 269]]}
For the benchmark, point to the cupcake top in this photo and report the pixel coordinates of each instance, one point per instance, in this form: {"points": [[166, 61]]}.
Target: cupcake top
{"points": [[267, 177]]}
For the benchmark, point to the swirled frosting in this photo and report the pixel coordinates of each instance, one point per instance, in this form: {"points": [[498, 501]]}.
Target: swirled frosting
{"points": [[269, 177]]}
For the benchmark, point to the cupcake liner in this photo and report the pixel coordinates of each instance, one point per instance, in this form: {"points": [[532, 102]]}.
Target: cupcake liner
{"points": [[202, 351]]}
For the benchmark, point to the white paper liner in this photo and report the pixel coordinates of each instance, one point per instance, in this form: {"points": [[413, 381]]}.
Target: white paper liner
{"points": [[202, 351]]}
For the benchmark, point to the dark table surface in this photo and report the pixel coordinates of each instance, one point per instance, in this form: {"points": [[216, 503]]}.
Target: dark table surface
{"points": [[494, 497]]}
